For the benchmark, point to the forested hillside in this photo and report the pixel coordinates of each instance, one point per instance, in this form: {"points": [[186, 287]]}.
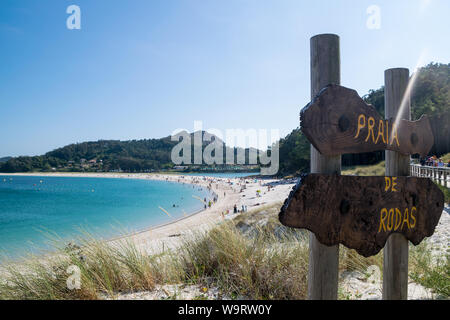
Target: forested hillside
{"points": [[106, 155]]}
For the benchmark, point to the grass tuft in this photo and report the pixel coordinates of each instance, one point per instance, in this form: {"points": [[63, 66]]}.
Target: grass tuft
{"points": [[431, 272], [371, 170]]}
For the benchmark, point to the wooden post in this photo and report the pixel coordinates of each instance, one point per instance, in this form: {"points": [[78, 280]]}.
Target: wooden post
{"points": [[323, 260], [395, 264]]}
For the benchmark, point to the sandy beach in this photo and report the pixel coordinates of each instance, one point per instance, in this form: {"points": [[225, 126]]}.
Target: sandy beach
{"points": [[241, 192]]}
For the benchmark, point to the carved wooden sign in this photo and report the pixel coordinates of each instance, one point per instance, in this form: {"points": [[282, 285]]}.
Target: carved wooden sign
{"points": [[338, 121], [361, 212]]}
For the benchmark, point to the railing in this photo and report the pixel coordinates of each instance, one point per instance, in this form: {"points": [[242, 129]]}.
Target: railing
{"points": [[439, 174]]}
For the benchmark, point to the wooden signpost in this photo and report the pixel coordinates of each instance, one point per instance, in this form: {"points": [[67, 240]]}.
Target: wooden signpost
{"points": [[338, 121], [323, 273], [362, 212]]}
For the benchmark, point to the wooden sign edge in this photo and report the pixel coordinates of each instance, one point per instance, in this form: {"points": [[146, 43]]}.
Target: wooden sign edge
{"points": [[282, 214]]}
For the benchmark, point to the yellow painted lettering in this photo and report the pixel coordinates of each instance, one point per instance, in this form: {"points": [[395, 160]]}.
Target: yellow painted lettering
{"points": [[395, 135], [361, 124], [398, 219], [406, 219], [387, 183], [394, 183], [383, 216], [371, 124], [390, 222], [380, 132]]}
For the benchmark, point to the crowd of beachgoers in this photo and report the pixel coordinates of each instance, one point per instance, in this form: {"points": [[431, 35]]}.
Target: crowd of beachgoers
{"points": [[434, 161]]}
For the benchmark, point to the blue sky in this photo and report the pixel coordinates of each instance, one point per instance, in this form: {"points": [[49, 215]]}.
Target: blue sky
{"points": [[141, 69]]}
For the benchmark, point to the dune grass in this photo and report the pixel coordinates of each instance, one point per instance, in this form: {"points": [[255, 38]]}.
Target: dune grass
{"points": [[103, 268], [372, 170], [431, 272], [446, 157], [262, 266], [259, 267], [445, 191]]}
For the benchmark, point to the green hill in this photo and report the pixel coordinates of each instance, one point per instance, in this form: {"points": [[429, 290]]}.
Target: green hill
{"points": [[107, 155]]}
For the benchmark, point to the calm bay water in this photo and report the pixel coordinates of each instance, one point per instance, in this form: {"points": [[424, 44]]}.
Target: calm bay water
{"points": [[31, 206]]}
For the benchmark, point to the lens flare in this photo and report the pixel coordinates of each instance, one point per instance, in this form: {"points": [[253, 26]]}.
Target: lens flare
{"points": [[406, 96]]}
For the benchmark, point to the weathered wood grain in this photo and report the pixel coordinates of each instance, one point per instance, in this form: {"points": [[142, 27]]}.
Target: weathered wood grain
{"points": [[397, 102], [349, 209], [338, 121], [323, 268]]}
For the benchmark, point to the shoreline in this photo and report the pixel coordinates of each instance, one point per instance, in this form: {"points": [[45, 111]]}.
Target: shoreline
{"points": [[215, 186], [237, 191]]}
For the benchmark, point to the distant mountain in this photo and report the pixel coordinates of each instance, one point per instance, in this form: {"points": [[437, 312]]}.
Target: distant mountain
{"points": [[111, 155], [5, 159]]}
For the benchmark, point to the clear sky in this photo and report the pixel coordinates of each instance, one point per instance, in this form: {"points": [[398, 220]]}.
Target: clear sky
{"points": [[143, 68]]}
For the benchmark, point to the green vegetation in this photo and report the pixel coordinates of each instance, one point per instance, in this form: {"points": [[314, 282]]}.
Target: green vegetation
{"points": [[432, 273], [104, 269], [430, 95], [446, 192], [373, 170], [114, 155], [294, 153], [446, 157], [105, 155]]}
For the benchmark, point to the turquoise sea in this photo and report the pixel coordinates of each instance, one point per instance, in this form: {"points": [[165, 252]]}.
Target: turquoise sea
{"points": [[31, 207]]}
